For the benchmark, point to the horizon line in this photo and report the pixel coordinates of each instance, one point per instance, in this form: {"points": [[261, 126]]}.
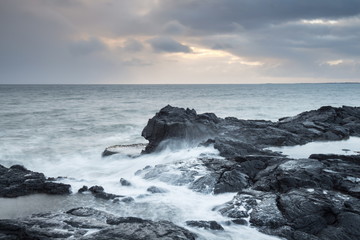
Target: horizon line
{"points": [[291, 83]]}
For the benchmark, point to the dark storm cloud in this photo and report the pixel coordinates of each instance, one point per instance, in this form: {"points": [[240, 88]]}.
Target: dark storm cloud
{"points": [[166, 44], [227, 15], [88, 41], [174, 28]]}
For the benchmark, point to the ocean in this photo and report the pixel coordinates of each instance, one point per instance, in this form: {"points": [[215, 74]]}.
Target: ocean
{"points": [[61, 130]]}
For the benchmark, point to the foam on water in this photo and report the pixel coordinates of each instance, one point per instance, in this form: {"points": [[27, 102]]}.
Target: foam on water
{"points": [[62, 131], [349, 146]]}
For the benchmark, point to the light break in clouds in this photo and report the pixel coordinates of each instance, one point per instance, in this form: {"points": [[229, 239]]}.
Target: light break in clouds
{"points": [[171, 41]]}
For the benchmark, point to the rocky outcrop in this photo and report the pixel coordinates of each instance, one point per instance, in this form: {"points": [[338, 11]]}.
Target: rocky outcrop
{"points": [[18, 181], [298, 214], [316, 198], [302, 198], [234, 137], [179, 124], [89, 223]]}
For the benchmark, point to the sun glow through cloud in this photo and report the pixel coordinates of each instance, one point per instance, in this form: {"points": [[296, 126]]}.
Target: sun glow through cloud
{"points": [[320, 21], [79, 41]]}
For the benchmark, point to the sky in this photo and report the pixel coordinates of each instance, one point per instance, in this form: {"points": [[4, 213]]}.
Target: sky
{"points": [[179, 41]]}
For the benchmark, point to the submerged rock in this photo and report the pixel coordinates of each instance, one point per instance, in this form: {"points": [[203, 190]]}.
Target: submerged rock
{"points": [[99, 192], [18, 181], [131, 150], [212, 225], [154, 189], [124, 182]]}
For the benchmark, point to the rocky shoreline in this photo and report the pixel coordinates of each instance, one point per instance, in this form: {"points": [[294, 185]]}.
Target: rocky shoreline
{"points": [[316, 198]]}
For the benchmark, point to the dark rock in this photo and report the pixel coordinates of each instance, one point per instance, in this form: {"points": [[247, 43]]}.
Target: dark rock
{"points": [[147, 230], [212, 225], [291, 174], [88, 223], [154, 189], [205, 184], [106, 153], [96, 189], [18, 181], [232, 180], [117, 221], [83, 189], [178, 123], [240, 207], [127, 200], [124, 182], [99, 192], [236, 137], [347, 158], [240, 221], [266, 213]]}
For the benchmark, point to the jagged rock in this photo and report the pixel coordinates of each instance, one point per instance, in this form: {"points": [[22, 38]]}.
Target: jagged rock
{"points": [[240, 207], [18, 181], [295, 199], [266, 213], [89, 223], [178, 123], [234, 137], [142, 230], [212, 225], [205, 184], [232, 180]]}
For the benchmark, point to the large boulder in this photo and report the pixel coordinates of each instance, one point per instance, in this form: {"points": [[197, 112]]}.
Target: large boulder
{"points": [[172, 123]]}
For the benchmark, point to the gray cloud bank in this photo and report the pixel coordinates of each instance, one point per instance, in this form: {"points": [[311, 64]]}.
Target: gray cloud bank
{"points": [[79, 41]]}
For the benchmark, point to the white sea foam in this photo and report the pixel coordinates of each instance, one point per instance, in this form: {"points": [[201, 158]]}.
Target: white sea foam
{"points": [[349, 146], [62, 131]]}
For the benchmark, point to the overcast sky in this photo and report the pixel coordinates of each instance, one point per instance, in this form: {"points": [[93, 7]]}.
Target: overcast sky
{"points": [[179, 41]]}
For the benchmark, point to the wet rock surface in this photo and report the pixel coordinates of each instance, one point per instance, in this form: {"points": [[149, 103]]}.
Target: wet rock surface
{"points": [[99, 192], [297, 199], [212, 225], [18, 181], [88, 223], [232, 136]]}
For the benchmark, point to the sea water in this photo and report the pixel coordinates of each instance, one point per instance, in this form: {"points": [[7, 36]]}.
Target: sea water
{"points": [[61, 130]]}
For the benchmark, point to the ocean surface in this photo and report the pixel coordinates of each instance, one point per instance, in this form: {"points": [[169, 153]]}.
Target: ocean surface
{"points": [[61, 130]]}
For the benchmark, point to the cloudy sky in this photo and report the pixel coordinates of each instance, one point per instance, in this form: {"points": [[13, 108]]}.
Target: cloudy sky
{"points": [[179, 41]]}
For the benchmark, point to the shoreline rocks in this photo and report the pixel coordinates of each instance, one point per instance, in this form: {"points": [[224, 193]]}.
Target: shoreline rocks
{"points": [[88, 223], [18, 181], [316, 198], [235, 137]]}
